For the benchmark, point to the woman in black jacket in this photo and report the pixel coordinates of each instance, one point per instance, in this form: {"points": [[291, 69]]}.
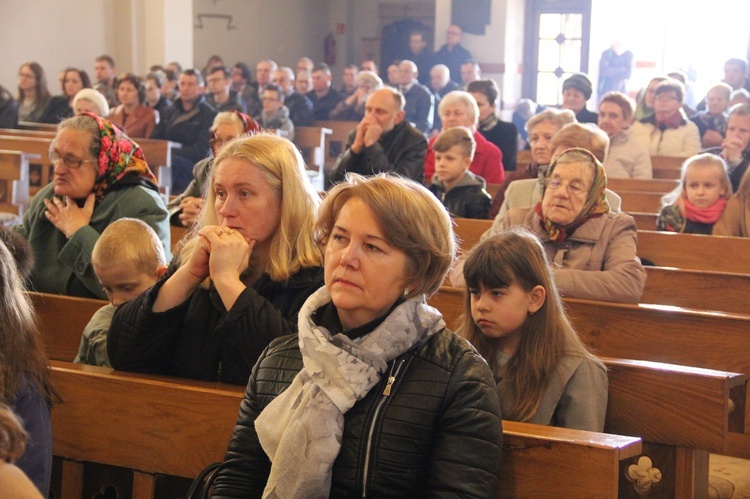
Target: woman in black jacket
{"points": [[239, 280], [375, 397]]}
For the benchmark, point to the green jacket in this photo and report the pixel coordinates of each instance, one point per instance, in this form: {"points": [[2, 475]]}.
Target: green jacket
{"points": [[63, 266]]}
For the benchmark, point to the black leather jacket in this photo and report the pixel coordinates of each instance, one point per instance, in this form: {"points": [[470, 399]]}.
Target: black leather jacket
{"points": [[437, 434]]}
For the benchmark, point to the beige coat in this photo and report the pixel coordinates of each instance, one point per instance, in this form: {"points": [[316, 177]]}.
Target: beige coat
{"points": [[735, 220], [597, 261]]}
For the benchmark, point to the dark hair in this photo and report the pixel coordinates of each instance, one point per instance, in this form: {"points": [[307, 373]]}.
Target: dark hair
{"points": [[157, 77], [275, 88], [197, 73], [170, 75], [224, 70], [106, 58], [742, 63], [517, 256], [322, 66], [486, 87], [22, 357], [81, 74], [42, 92], [671, 85], [136, 82], [245, 69]]}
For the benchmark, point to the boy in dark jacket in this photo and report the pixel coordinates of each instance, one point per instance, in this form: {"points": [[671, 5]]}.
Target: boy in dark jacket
{"points": [[462, 193]]}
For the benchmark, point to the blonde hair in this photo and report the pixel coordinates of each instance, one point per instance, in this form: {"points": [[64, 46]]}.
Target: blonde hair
{"points": [[131, 241], [396, 203], [457, 136], [517, 256], [292, 247], [704, 160], [12, 435], [585, 136], [558, 117]]}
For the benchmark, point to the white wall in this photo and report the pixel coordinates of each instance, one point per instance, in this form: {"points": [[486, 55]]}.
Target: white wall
{"points": [[55, 34], [283, 30]]}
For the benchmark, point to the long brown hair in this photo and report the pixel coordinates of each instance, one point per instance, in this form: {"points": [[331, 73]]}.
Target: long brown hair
{"points": [[516, 256], [22, 356], [42, 92]]}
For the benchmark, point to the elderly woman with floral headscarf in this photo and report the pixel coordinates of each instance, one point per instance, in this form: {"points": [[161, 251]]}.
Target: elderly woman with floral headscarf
{"points": [[100, 175], [592, 249]]}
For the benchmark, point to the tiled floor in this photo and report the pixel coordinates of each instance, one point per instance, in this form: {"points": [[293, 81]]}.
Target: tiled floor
{"points": [[729, 477]]}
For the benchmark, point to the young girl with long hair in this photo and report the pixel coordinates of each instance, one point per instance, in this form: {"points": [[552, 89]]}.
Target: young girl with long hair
{"points": [[697, 202], [25, 383], [515, 319]]}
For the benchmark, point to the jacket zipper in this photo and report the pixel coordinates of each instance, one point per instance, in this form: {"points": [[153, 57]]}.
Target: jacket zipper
{"points": [[386, 393]]}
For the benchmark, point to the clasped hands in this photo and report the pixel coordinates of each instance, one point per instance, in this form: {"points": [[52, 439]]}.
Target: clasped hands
{"points": [[66, 216], [220, 252], [368, 132]]}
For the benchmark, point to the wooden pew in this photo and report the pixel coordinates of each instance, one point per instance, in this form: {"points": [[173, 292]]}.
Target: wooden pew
{"points": [[697, 252], [32, 125], [146, 423], [663, 334], [158, 155], [311, 141], [14, 182], [664, 249], [679, 431], [666, 173], [61, 321], [698, 289], [649, 202], [642, 185], [523, 159], [38, 134], [644, 221], [150, 424], [336, 141], [176, 235], [40, 167], [673, 162]]}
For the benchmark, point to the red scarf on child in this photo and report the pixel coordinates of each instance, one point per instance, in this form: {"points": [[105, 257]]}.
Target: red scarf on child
{"points": [[704, 215]]}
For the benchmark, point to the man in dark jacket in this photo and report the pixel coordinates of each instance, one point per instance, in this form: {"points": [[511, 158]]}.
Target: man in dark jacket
{"points": [[453, 54], [300, 107], [383, 141], [187, 122], [420, 103], [323, 97]]}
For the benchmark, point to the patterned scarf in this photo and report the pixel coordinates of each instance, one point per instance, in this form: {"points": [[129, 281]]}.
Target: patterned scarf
{"points": [[301, 429], [596, 201], [249, 125], [119, 156]]}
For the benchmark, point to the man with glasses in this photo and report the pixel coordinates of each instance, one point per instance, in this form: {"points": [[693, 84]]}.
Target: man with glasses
{"points": [[275, 114]]}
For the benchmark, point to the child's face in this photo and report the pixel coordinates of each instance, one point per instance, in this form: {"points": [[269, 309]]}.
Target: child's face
{"points": [[717, 102], [451, 165], [122, 281], [500, 313], [703, 186]]}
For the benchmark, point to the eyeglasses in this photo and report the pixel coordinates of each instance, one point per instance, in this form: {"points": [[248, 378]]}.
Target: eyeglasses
{"points": [[574, 188], [69, 161]]}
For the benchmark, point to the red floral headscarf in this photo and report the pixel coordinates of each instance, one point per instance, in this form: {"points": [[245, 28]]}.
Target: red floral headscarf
{"points": [[119, 156]]}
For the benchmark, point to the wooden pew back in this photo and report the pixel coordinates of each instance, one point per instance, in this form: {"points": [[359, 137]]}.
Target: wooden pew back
{"points": [[61, 321], [694, 251], [644, 221], [157, 424], [335, 142], [311, 141], [40, 167], [14, 181], [642, 185], [648, 202]]}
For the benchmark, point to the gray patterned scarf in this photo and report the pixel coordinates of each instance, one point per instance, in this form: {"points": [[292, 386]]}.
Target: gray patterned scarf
{"points": [[301, 429]]}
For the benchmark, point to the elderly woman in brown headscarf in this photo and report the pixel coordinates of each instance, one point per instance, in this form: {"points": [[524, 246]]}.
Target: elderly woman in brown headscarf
{"points": [[591, 248], [100, 175]]}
